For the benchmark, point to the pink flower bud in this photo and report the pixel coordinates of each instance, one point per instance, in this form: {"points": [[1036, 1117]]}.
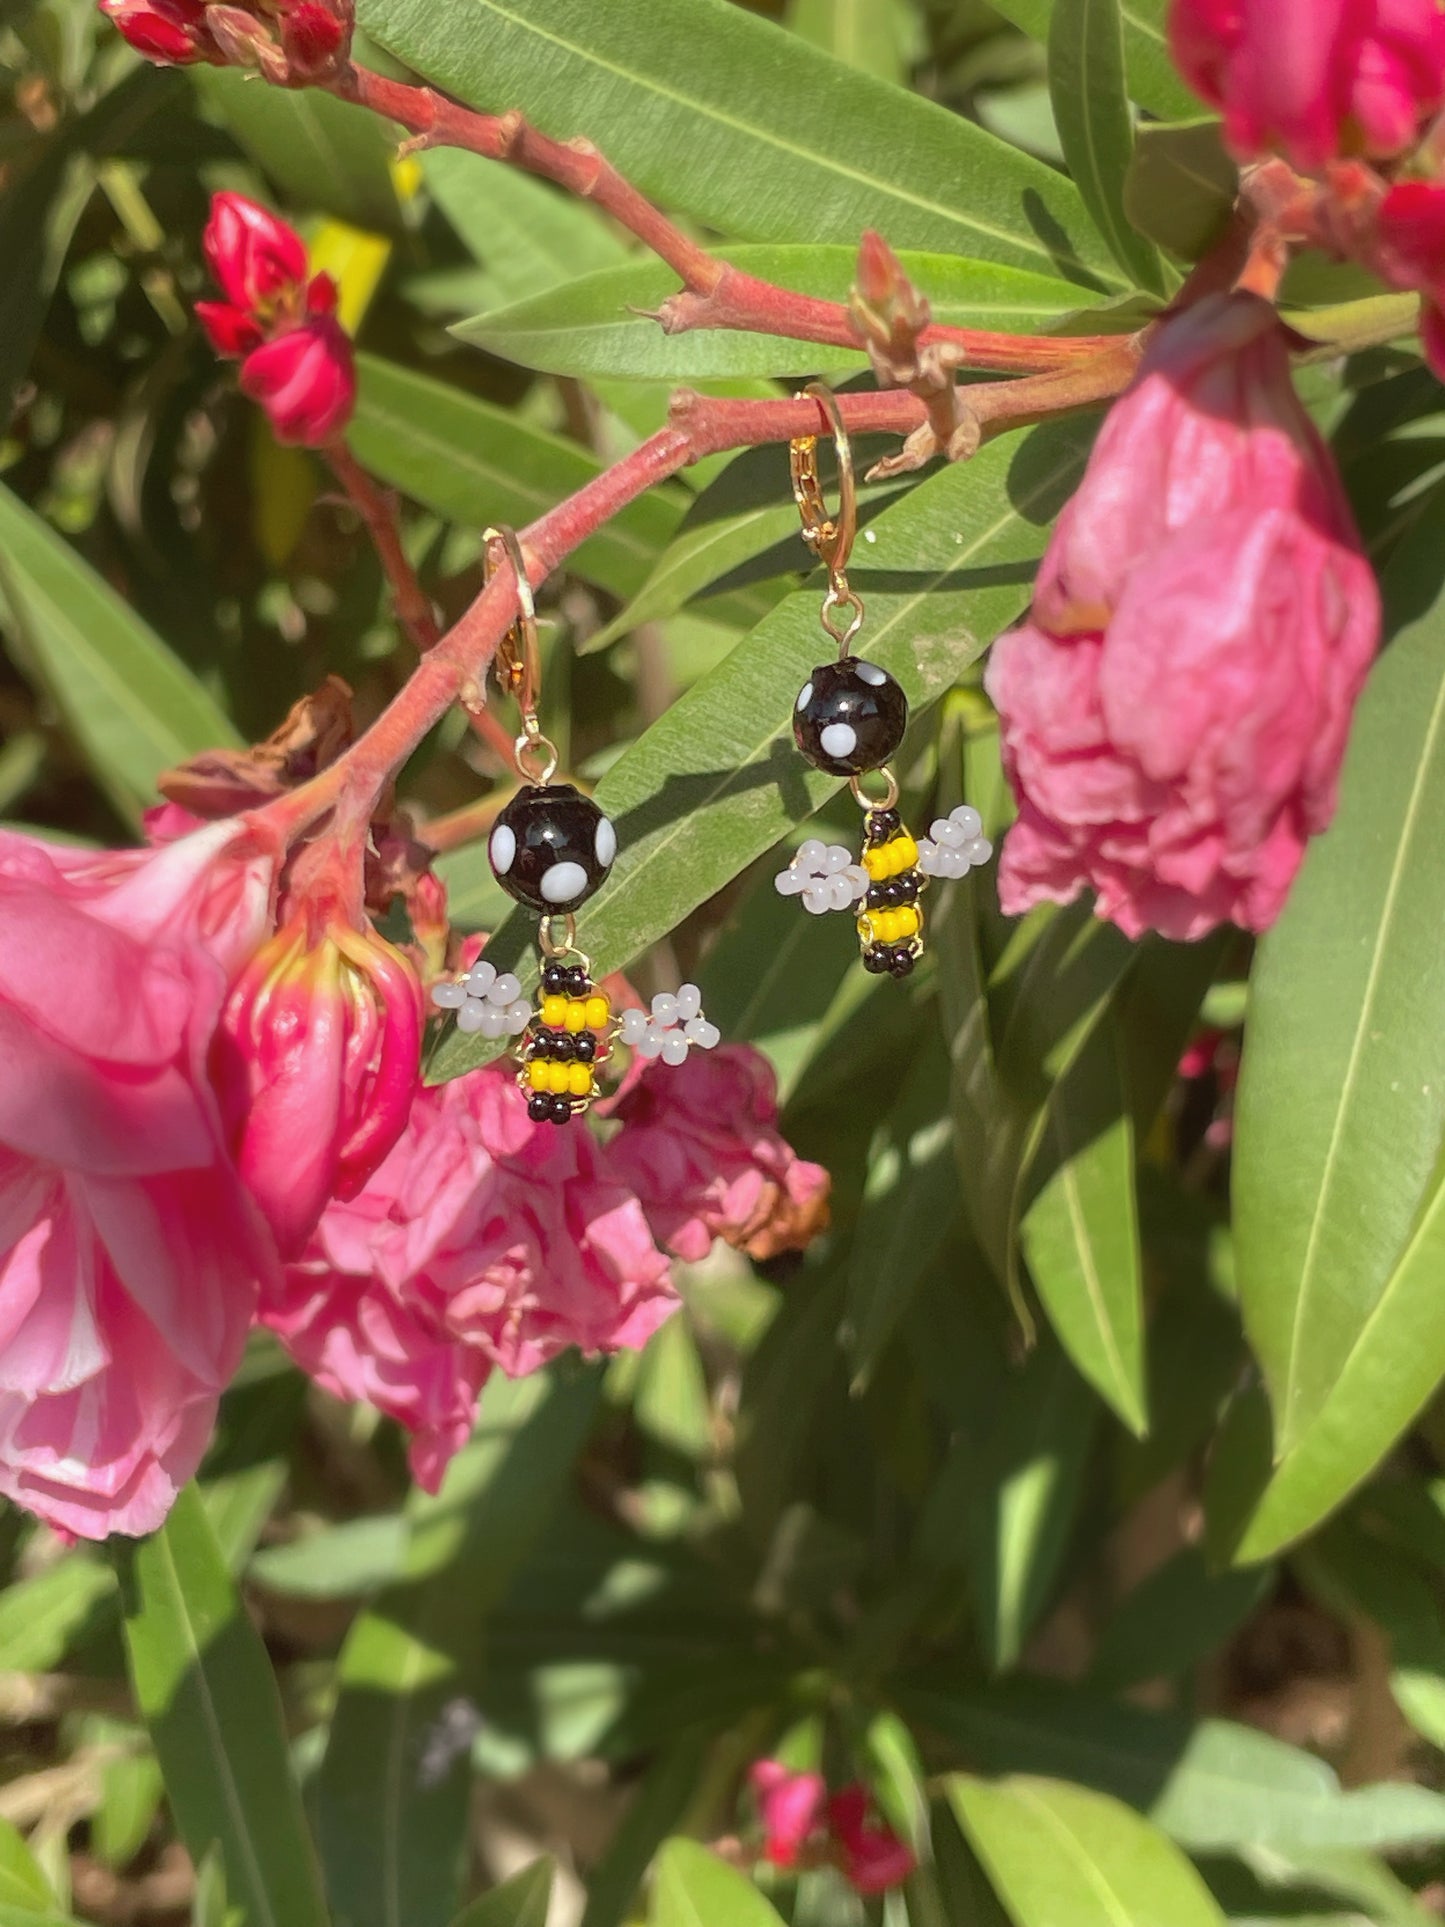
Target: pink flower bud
{"points": [[872, 1856], [789, 1807], [318, 1059], [129, 1250], [483, 1240], [1175, 709], [315, 37], [305, 380], [172, 33], [700, 1147], [1314, 79]]}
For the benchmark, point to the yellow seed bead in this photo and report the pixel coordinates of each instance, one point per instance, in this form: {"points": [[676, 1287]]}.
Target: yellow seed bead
{"points": [[537, 1074], [883, 926], [557, 1076], [576, 1016], [579, 1080], [599, 1013], [554, 1012], [907, 921], [875, 861], [907, 851]]}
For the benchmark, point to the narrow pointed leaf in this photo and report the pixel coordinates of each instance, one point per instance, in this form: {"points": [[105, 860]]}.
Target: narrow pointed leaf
{"points": [[1091, 112], [131, 707], [1060, 1856], [522, 1901], [693, 1888], [1153, 78], [205, 1685], [1342, 1097], [731, 120], [476, 463]]}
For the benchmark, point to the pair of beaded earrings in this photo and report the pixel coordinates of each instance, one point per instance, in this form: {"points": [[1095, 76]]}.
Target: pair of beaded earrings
{"points": [[552, 848], [849, 719]]}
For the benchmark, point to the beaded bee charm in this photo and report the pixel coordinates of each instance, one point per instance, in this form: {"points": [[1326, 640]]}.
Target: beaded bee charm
{"points": [[551, 849], [849, 719]]}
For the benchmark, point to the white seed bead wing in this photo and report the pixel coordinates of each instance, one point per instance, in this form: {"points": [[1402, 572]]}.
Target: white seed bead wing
{"points": [[825, 876], [955, 844], [486, 1003], [673, 1026]]}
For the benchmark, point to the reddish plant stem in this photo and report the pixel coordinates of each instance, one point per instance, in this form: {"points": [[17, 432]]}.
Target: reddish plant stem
{"points": [[714, 294], [413, 606], [455, 668]]}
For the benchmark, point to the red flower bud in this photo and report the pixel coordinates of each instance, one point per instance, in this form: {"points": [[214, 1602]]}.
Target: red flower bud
{"points": [[318, 1061], [256, 258], [305, 381], [872, 1856], [170, 32], [315, 40]]}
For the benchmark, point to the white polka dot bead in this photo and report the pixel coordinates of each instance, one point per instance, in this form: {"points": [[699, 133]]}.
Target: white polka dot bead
{"points": [[551, 847], [849, 717]]}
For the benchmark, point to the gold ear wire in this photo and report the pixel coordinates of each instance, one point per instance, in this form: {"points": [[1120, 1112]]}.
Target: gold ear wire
{"points": [[829, 537], [519, 660]]}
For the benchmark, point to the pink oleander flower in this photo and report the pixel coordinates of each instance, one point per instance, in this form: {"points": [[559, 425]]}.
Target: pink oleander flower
{"points": [[483, 1240], [296, 358], [701, 1148], [1314, 79], [789, 1807], [130, 1252], [318, 1058], [1410, 233], [1174, 711], [871, 1855], [172, 33]]}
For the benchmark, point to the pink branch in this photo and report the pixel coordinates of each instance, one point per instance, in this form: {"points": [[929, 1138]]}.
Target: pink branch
{"points": [[714, 295]]}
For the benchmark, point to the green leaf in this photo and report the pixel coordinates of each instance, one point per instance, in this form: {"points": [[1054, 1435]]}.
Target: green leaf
{"points": [[342, 1562], [1153, 79], [132, 707], [391, 1796], [876, 36], [1181, 186], [528, 234], [205, 1685], [476, 464], [1060, 1856], [130, 1793], [522, 1901], [1080, 1232], [1181, 1613], [1342, 1099], [320, 152], [667, 1790], [693, 1888], [1004, 1505], [1210, 1785], [22, 1885], [603, 325], [721, 115], [909, 1209], [1091, 112], [1358, 1577], [42, 1616], [717, 780]]}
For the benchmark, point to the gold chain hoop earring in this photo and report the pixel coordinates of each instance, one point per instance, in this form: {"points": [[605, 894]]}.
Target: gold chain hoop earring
{"points": [[551, 849], [849, 718]]}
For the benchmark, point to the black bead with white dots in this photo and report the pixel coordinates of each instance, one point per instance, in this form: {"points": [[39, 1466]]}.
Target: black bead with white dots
{"points": [[849, 717], [551, 848]]}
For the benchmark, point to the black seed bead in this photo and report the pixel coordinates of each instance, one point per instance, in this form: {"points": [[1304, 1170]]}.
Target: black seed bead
{"points": [[554, 979], [561, 1109], [578, 984], [907, 887], [875, 959], [540, 1046], [881, 824], [900, 962], [584, 1047], [562, 1047], [877, 897], [551, 847], [850, 716], [539, 1107]]}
